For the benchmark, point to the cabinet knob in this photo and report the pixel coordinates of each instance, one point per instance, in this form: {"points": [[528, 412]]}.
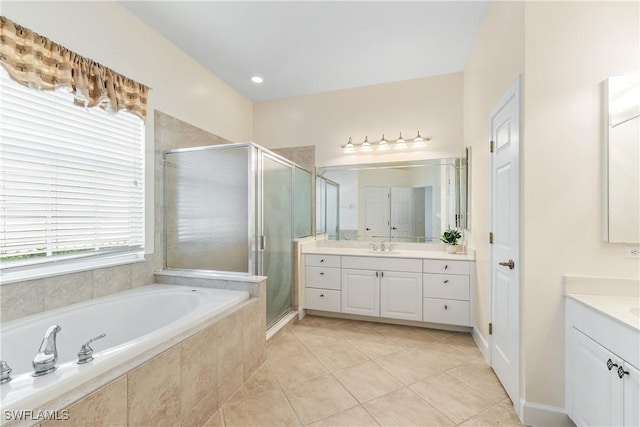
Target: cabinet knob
{"points": [[446, 308], [322, 260], [321, 295], [611, 365], [446, 281], [622, 372], [377, 274], [446, 266], [322, 273]]}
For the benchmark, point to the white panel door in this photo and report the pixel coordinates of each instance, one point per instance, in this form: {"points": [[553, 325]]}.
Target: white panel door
{"points": [[631, 395], [596, 390], [505, 225], [401, 295], [401, 213], [361, 292], [376, 212]]}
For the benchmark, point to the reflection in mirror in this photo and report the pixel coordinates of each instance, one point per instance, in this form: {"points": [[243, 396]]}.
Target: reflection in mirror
{"points": [[302, 203], [401, 202], [622, 204]]}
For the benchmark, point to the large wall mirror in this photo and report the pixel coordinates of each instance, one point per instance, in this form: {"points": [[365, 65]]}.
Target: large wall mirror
{"points": [[400, 202], [622, 141]]}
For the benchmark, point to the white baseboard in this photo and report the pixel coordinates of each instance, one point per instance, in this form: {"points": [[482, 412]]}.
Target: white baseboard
{"points": [[537, 414], [482, 344]]}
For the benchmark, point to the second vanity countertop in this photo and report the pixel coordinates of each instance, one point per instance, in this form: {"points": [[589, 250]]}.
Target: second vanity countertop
{"points": [[618, 299], [395, 253]]}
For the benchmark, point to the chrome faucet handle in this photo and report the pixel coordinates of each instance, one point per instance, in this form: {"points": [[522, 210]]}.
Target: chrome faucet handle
{"points": [[45, 359], [5, 372], [86, 352]]}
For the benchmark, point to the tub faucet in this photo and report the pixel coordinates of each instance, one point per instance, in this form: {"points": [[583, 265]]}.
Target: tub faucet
{"points": [[45, 360]]}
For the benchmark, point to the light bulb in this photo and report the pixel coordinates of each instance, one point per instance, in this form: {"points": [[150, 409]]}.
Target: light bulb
{"points": [[349, 147], [365, 145], [383, 144], [400, 143], [419, 141]]}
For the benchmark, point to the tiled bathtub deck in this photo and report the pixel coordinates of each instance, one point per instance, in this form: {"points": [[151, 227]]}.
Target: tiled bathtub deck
{"points": [[331, 372]]}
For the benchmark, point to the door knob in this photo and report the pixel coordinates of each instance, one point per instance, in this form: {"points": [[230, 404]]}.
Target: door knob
{"points": [[394, 228], [509, 264]]}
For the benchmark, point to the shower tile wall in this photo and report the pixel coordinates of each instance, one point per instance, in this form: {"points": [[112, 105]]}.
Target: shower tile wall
{"points": [[304, 155]]}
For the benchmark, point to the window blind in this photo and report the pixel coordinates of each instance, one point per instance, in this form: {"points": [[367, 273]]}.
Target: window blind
{"points": [[71, 178]]}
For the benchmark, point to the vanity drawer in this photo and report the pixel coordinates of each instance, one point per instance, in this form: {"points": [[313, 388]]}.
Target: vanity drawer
{"points": [[323, 260], [451, 312], [445, 266], [382, 263], [446, 286], [323, 299], [322, 277]]}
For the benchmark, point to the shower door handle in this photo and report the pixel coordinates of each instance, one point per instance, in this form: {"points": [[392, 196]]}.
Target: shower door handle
{"points": [[262, 243]]}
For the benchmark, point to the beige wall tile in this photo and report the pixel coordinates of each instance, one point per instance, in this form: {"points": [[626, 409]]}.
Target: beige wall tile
{"points": [[253, 337], [154, 391], [198, 414], [107, 281], [67, 289], [230, 343], [105, 407], [21, 299], [230, 384], [262, 380], [198, 370]]}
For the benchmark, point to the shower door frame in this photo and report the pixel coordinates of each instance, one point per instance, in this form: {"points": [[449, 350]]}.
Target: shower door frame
{"points": [[260, 249]]}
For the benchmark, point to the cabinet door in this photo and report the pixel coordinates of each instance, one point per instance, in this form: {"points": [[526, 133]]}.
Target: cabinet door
{"points": [[401, 295], [596, 391], [631, 396], [361, 292]]}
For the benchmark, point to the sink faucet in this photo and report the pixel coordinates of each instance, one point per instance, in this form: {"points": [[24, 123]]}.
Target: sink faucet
{"points": [[45, 359]]}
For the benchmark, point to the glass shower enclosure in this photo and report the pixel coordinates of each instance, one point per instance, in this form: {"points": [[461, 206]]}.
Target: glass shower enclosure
{"points": [[230, 208]]}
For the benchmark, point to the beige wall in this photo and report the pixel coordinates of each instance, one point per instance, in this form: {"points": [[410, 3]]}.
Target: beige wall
{"points": [[108, 33], [571, 47], [564, 50], [432, 104], [495, 64]]}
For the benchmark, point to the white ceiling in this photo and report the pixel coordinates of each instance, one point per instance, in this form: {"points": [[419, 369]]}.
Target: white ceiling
{"points": [[306, 47]]}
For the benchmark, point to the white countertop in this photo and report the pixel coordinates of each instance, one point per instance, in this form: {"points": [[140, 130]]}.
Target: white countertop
{"points": [[616, 307], [613, 297], [396, 253]]}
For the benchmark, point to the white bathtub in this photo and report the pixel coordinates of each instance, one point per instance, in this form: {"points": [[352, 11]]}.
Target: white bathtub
{"points": [[134, 321]]}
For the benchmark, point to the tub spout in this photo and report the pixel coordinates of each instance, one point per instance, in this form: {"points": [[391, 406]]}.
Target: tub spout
{"points": [[45, 360]]}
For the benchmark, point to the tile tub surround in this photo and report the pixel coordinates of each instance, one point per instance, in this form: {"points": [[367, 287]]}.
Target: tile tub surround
{"points": [[332, 372], [182, 382]]}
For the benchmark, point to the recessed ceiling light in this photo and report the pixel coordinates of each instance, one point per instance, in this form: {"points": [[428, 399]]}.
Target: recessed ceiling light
{"points": [[257, 79]]}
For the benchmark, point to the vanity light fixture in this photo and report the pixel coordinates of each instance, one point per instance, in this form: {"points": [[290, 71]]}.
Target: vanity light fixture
{"points": [[419, 141], [400, 144], [257, 79], [384, 144], [365, 146]]}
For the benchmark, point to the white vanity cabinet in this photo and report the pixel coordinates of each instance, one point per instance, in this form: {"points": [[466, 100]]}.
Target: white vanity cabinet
{"points": [[323, 282], [384, 287], [602, 386], [390, 287], [446, 292]]}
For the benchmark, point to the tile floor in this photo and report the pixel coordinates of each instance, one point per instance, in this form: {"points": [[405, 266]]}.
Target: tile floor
{"points": [[332, 372]]}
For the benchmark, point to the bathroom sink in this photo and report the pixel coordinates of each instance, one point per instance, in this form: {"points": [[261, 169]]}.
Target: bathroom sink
{"points": [[635, 311], [384, 252]]}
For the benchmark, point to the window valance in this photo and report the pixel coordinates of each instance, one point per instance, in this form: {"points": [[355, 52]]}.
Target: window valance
{"points": [[36, 61]]}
